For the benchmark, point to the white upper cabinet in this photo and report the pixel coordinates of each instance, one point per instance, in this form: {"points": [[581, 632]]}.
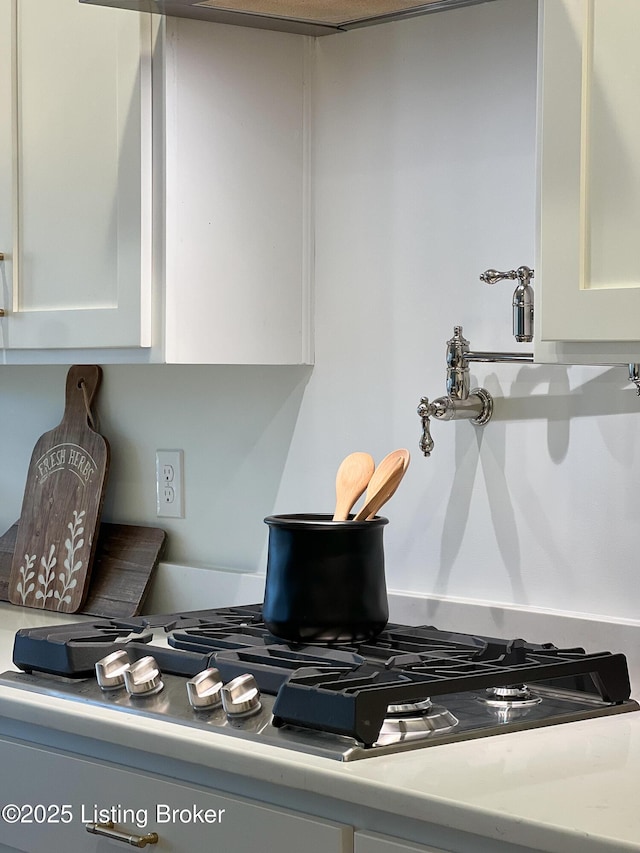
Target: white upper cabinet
{"points": [[237, 231], [75, 173], [153, 189], [6, 156], [587, 271]]}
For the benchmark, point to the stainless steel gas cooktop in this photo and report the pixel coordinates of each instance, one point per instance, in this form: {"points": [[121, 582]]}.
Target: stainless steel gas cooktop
{"points": [[412, 687]]}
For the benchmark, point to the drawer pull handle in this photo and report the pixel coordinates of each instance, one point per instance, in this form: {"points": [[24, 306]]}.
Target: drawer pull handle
{"points": [[109, 831], [2, 312]]}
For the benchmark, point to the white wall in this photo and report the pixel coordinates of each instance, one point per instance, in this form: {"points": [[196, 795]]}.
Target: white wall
{"points": [[424, 177]]}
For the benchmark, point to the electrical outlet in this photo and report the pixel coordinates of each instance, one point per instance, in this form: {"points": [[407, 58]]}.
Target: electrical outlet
{"points": [[169, 484]]}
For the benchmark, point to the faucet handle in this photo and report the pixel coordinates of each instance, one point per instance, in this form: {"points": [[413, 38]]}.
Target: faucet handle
{"points": [[523, 274], [494, 276], [425, 411]]}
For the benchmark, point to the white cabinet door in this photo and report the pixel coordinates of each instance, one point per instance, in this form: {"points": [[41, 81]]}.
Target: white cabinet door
{"points": [[6, 160], [78, 189], [185, 818], [369, 842], [587, 271]]}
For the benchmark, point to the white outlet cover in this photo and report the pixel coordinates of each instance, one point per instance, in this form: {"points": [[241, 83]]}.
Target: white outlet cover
{"points": [[169, 484]]}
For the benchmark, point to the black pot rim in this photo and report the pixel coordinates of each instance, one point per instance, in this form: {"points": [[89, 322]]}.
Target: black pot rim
{"points": [[320, 521]]}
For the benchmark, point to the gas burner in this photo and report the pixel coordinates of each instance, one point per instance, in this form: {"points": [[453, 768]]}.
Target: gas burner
{"points": [[511, 696], [399, 728], [409, 709]]}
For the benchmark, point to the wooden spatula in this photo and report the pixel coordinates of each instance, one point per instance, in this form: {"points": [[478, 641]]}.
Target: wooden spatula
{"points": [[352, 479], [62, 504], [384, 482]]}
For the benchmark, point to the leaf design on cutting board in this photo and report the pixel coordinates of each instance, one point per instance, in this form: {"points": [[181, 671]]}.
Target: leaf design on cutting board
{"points": [[73, 544], [24, 588], [46, 578]]}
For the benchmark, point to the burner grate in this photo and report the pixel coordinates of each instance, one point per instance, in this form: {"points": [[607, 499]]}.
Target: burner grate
{"points": [[359, 705], [342, 689]]}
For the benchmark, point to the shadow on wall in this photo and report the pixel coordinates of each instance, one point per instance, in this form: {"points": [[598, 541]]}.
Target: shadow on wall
{"points": [[468, 460], [608, 393]]}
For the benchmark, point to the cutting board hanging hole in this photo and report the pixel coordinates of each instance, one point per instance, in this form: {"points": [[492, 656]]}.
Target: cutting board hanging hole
{"points": [[82, 385]]}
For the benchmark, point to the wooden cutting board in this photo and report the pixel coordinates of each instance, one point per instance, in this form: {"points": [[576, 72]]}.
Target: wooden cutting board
{"points": [[62, 503], [124, 564]]}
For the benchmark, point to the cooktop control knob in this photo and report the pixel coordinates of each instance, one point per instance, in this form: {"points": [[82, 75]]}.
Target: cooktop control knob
{"points": [[110, 670], [241, 697], [204, 690], [142, 678]]}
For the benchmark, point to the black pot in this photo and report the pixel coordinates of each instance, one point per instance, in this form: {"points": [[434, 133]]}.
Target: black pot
{"points": [[325, 579]]}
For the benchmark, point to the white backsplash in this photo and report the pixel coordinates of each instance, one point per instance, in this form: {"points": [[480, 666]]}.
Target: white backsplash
{"points": [[424, 175]]}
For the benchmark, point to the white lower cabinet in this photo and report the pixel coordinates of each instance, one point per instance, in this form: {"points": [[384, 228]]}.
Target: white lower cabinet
{"points": [[369, 842], [55, 795]]}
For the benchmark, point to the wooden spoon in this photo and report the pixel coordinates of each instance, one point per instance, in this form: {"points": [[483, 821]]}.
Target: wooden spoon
{"points": [[352, 479], [384, 482]]}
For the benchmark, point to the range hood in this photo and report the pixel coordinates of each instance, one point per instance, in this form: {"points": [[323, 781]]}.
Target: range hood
{"points": [[307, 17]]}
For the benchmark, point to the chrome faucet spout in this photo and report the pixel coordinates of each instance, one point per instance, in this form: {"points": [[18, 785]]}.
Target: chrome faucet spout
{"points": [[459, 403], [477, 405]]}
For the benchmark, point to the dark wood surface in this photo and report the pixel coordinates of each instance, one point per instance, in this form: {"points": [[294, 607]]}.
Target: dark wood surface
{"points": [[125, 562], [56, 538]]}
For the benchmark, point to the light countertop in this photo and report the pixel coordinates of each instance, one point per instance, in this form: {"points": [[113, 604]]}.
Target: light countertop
{"points": [[570, 788]]}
